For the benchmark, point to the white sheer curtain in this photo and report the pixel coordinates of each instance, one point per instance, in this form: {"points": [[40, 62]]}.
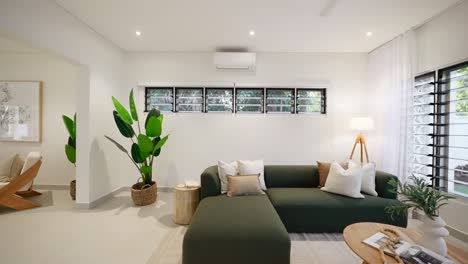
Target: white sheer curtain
{"points": [[391, 77]]}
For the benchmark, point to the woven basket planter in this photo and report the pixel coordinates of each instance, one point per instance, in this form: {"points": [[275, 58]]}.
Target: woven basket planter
{"points": [[144, 194], [73, 189]]}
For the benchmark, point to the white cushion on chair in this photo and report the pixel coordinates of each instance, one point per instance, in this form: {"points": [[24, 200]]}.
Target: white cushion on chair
{"points": [[3, 184], [31, 159], [5, 166]]}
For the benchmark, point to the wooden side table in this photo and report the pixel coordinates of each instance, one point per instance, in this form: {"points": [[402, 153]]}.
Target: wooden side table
{"points": [[186, 202], [354, 235]]}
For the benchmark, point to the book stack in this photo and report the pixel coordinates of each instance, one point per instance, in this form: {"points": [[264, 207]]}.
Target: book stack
{"points": [[408, 252]]}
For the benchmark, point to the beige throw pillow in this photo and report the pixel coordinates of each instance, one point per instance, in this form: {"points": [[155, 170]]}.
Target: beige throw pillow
{"points": [[324, 169], [244, 185], [16, 167]]}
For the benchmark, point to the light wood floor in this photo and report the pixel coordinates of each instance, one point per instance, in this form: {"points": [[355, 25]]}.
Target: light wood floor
{"points": [[114, 232]]}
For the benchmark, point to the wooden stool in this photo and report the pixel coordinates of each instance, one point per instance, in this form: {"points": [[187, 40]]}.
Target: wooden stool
{"points": [[186, 202]]}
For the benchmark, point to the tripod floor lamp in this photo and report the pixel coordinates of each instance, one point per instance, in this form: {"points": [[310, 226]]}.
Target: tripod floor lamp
{"points": [[361, 124]]}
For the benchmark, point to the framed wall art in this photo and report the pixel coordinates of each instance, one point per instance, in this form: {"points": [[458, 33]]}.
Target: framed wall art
{"points": [[20, 111]]}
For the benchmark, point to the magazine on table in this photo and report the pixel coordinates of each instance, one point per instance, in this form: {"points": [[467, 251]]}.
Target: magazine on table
{"points": [[408, 252]]}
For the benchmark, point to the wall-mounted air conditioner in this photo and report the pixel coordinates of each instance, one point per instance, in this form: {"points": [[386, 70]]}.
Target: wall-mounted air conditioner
{"points": [[235, 60]]}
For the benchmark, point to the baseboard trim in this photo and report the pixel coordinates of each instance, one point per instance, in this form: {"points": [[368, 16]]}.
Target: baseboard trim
{"points": [[52, 186], [160, 189], [100, 200], [456, 233]]}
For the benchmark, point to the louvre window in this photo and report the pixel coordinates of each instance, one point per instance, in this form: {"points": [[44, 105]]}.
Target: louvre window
{"points": [[219, 100], [189, 100], [440, 130], [161, 98], [280, 100], [239, 100], [249, 100], [310, 101]]}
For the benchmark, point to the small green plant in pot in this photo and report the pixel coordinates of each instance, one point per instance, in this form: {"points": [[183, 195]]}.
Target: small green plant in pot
{"points": [[416, 194], [145, 146], [70, 148]]}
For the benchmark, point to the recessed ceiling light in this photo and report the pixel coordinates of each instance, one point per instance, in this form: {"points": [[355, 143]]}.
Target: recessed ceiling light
{"points": [[369, 34], [138, 33], [252, 33]]}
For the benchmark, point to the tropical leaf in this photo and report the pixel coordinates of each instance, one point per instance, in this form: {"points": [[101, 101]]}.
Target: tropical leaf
{"points": [[125, 129], [71, 153], [152, 112], [74, 126], [71, 142], [145, 143], [160, 143], [117, 145], [136, 154], [133, 109], [155, 142], [154, 127], [123, 113], [146, 170], [69, 125]]}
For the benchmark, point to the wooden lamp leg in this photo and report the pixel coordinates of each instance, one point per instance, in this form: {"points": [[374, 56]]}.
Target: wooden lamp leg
{"points": [[354, 147], [362, 143]]}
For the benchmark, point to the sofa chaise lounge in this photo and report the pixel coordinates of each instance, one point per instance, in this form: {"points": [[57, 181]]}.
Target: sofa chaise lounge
{"points": [[254, 229]]}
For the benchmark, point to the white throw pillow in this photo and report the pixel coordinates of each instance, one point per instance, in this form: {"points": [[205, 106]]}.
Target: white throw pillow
{"points": [[344, 182], [225, 169], [368, 176], [5, 165], [249, 167]]}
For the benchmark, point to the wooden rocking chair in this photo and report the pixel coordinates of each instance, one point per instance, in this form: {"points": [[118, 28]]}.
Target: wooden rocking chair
{"points": [[11, 195]]}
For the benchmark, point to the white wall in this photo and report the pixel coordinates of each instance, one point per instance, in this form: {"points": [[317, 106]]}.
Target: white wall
{"points": [[441, 42], [199, 140], [44, 24], [20, 62]]}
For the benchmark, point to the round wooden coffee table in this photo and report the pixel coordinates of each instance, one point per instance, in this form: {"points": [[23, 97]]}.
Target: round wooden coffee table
{"points": [[354, 235]]}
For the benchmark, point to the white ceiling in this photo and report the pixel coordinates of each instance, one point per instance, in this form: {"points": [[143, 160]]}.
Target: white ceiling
{"points": [[280, 25]]}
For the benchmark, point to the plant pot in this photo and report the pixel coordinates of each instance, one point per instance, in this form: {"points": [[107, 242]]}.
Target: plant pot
{"points": [[73, 189], [144, 194], [434, 232]]}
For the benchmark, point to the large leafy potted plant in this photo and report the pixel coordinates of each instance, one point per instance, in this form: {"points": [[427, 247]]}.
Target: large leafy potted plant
{"points": [[145, 146], [416, 194], [70, 148]]}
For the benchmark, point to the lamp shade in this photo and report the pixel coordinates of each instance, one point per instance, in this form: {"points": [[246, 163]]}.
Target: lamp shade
{"points": [[362, 123]]}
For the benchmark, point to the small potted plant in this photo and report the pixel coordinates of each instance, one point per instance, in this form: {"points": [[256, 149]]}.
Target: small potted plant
{"points": [[416, 194], [145, 147], [70, 148]]}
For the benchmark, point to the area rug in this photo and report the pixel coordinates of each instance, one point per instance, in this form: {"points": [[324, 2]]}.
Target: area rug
{"points": [[305, 249]]}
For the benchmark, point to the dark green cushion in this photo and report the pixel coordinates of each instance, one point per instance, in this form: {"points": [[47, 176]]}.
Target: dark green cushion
{"points": [[313, 210], [234, 230], [291, 176]]}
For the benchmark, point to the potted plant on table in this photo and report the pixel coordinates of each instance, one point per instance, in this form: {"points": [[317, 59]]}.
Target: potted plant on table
{"points": [[418, 195], [146, 146], [70, 148]]}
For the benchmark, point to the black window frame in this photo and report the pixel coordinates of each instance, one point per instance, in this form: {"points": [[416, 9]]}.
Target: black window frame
{"points": [[249, 88], [176, 110], [205, 99], [323, 100], [147, 89], [293, 98], [441, 126]]}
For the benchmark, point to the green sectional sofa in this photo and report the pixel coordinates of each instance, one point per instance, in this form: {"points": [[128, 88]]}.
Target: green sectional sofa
{"points": [[254, 229]]}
